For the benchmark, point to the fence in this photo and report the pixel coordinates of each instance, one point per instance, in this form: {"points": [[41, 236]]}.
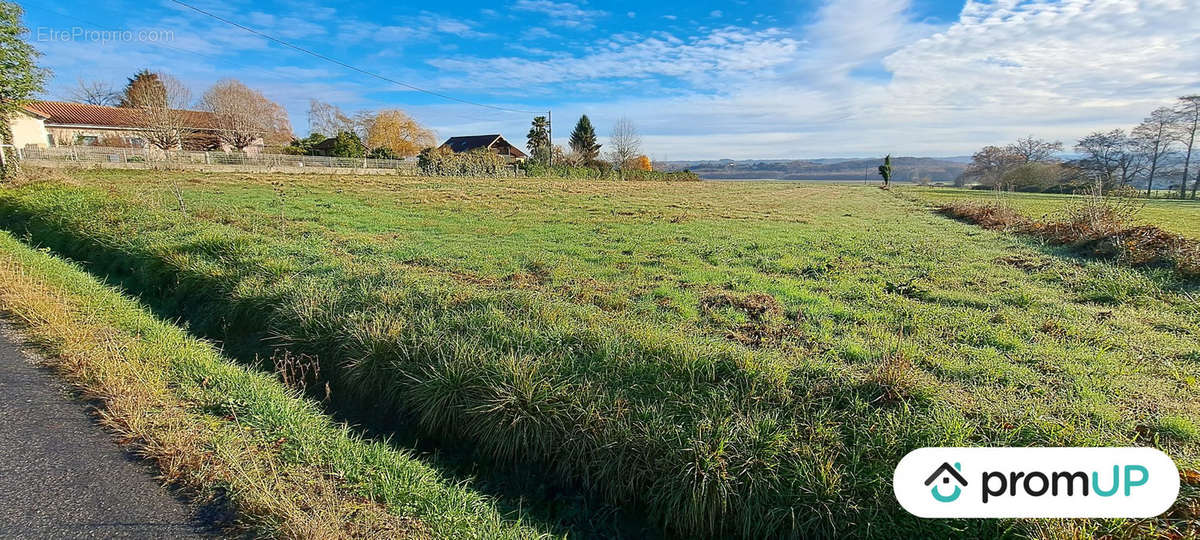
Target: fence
{"points": [[139, 156]]}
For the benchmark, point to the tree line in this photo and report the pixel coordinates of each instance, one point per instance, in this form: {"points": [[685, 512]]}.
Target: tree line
{"points": [[243, 117], [384, 134], [1159, 153], [239, 116], [583, 150]]}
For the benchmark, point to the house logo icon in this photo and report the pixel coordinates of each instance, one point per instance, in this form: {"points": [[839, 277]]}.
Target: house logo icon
{"points": [[947, 473]]}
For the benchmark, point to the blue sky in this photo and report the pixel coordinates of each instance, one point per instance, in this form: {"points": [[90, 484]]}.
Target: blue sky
{"points": [[775, 79]]}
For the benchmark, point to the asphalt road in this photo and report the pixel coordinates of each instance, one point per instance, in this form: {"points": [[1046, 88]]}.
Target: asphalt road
{"points": [[63, 476]]}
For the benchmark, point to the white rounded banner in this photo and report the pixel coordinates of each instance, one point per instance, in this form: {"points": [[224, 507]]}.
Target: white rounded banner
{"points": [[1036, 482]]}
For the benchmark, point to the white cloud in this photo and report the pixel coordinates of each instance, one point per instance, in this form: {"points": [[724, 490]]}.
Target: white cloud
{"points": [[864, 77], [719, 58], [1003, 70], [561, 13]]}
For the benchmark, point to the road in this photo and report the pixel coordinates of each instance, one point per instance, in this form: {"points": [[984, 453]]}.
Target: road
{"points": [[63, 476]]}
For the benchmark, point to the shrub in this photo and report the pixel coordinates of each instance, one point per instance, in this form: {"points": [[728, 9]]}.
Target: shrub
{"points": [[445, 162], [605, 172]]}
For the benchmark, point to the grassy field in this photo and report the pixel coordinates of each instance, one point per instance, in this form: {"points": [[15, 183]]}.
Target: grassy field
{"points": [[732, 359], [1178, 216]]}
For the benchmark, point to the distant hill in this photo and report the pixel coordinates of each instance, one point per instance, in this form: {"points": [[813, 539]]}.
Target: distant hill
{"points": [[906, 169]]}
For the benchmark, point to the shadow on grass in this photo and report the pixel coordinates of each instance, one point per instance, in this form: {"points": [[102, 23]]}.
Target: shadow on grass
{"points": [[207, 310]]}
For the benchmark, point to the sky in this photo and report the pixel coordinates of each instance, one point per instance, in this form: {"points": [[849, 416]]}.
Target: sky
{"points": [[737, 79]]}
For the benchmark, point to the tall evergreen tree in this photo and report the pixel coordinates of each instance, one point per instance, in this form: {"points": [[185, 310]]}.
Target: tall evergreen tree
{"points": [[144, 90], [583, 141], [20, 78]]}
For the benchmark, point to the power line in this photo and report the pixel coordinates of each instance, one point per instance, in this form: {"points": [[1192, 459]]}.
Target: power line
{"points": [[348, 66]]}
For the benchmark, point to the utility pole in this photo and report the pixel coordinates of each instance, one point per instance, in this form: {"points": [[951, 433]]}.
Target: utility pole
{"points": [[550, 134]]}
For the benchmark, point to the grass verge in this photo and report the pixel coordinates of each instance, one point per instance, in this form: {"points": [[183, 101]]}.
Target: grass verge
{"points": [[226, 433]]}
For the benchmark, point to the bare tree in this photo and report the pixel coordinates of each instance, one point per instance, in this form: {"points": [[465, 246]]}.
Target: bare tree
{"points": [[989, 165], [95, 93], [1034, 150], [1102, 153], [243, 116], [165, 122], [327, 119], [1187, 126], [1131, 162], [362, 123], [626, 143], [1153, 138]]}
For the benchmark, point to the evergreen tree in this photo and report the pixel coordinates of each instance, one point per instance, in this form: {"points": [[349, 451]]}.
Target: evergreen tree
{"points": [[144, 90], [583, 141], [20, 79], [348, 145], [885, 170]]}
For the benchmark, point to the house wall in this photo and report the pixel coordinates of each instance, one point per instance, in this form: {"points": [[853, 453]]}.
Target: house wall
{"points": [[28, 130], [67, 136], [94, 135]]}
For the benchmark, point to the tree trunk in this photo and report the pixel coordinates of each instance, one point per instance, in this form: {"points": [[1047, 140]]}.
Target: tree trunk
{"points": [[1186, 161], [1195, 184], [1150, 179], [1150, 182], [9, 165]]}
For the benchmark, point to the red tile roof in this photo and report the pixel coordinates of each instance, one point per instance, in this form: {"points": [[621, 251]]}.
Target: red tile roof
{"points": [[80, 114], [35, 112]]}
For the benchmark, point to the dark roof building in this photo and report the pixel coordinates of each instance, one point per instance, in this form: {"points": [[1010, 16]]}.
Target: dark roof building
{"points": [[495, 143]]}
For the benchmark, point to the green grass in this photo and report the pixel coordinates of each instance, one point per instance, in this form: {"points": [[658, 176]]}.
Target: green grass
{"points": [[227, 433], [1177, 216], [746, 359]]}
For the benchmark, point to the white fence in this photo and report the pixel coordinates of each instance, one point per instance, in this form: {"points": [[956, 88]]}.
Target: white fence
{"points": [[139, 156]]}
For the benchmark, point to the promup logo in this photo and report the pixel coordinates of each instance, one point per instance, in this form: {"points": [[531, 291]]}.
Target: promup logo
{"points": [[946, 473], [1036, 482]]}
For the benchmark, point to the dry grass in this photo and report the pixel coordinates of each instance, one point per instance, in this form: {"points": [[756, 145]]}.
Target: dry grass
{"points": [[1100, 226]]}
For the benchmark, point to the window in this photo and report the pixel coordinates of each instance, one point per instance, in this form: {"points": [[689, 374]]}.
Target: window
{"points": [[50, 139]]}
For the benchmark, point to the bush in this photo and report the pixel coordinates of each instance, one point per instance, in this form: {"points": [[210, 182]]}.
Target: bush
{"points": [[444, 162], [606, 172], [383, 152]]}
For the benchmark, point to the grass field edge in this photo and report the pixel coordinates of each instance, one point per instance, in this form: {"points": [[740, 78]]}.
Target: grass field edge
{"points": [[291, 474]]}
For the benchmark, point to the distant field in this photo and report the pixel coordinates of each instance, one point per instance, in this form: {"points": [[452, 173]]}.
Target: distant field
{"points": [[1179, 216], [737, 359]]}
